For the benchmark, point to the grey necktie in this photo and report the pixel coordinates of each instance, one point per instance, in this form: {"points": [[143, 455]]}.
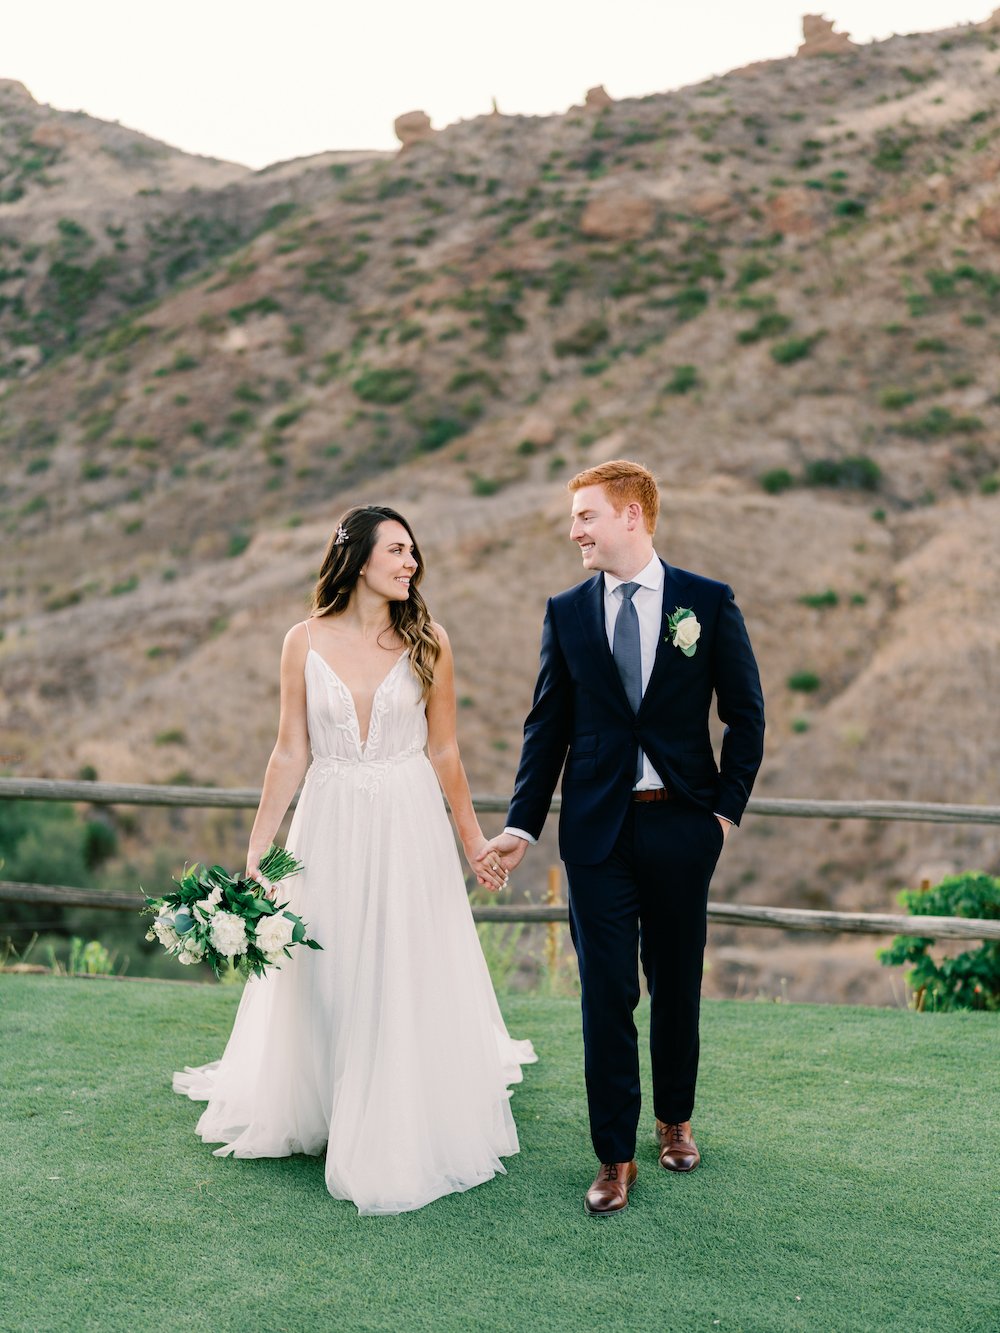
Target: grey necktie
{"points": [[627, 653]]}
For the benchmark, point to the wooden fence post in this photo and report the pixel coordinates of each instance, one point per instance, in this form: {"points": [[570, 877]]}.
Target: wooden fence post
{"points": [[552, 897]]}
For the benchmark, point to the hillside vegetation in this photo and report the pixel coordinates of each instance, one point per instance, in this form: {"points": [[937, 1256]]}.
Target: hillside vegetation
{"points": [[778, 289]]}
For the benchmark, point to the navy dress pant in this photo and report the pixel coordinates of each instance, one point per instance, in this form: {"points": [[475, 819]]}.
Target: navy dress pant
{"points": [[646, 901]]}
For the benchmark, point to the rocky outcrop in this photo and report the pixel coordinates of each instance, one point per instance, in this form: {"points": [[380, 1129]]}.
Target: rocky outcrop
{"points": [[792, 212], [598, 98], [11, 89], [989, 224], [819, 38], [56, 134], [712, 205], [992, 24], [618, 217], [412, 127], [537, 429]]}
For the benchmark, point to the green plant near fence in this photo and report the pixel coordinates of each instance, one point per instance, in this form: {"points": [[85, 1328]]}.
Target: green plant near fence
{"points": [[971, 980]]}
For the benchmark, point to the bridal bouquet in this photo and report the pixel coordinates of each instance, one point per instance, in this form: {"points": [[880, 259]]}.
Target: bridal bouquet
{"points": [[223, 918]]}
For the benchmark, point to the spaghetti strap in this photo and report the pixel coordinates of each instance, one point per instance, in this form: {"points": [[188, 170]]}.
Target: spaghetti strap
{"points": [[308, 635]]}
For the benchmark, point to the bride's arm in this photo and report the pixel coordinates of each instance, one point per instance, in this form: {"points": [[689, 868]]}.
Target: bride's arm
{"points": [[442, 750], [291, 750]]}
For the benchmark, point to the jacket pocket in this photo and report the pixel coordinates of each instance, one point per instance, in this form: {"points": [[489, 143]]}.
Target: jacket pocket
{"points": [[581, 762]]}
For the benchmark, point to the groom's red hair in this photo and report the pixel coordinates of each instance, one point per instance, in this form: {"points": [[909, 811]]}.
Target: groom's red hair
{"points": [[624, 482]]}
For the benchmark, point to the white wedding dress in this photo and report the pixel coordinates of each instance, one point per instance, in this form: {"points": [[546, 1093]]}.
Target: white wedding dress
{"points": [[388, 1047]]}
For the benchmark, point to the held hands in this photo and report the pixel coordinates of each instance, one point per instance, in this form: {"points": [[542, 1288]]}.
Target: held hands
{"points": [[497, 859], [487, 866]]}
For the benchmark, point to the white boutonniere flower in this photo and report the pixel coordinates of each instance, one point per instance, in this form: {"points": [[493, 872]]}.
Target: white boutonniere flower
{"points": [[684, 630]]}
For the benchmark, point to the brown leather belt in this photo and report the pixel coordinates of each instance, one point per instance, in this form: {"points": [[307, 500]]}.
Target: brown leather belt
{"points": [[654, 794]]}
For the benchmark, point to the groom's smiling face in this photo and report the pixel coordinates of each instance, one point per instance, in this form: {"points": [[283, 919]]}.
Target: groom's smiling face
{"points": [[606, 538]]}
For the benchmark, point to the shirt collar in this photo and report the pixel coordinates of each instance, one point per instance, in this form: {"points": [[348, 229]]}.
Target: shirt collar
{"points": [[650, 577]]}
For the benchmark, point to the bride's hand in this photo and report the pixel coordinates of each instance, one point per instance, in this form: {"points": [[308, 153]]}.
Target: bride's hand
{"points": [[253, 871], [487, 866]]}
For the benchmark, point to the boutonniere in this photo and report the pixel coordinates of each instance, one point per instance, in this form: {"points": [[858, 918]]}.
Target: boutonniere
{"points": [[684, 630]]}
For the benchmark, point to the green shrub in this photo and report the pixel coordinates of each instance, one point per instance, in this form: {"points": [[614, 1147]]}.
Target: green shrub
{"points": [[890, 151], [768, 325], [386, 386], [775, 481], [583, 340], [238, 543], [484, 485], [468, 379], [44, 842], [752, 272], [856, 472], [287, 418], [175, 736], [893, 399], [938, 421], [803, 682], [971, 980], [689, 302], [794, 349], [100, 843], [820, 600], [266, 305], [683, 380], [436, 433]]}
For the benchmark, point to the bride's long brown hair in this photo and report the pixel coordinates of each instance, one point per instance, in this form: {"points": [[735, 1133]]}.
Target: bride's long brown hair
{"points": [[341, 569]]}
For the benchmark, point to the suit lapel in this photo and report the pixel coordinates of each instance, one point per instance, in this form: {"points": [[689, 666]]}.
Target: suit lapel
{"points": [[666, 653], [590, 607]]}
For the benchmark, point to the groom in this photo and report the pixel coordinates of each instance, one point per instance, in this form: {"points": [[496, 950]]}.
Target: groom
{"points": [[630, 661]]}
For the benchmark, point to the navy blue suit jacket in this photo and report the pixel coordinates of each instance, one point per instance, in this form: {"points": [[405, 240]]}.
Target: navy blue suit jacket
{"points": [[581, 717]]}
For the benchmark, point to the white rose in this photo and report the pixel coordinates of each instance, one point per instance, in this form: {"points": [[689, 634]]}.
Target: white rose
{"points": [[228, 933], [687, 633], [163, 926], [274, 933], [191, 951], [208, 906]]}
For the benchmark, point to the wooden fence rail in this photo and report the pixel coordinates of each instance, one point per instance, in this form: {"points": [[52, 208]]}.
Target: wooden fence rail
{"points": [[246, 798], [729, 914], [781, 918]]}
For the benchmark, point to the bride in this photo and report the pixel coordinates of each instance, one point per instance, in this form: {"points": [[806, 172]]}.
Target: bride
{"points": [[388, 1047]]}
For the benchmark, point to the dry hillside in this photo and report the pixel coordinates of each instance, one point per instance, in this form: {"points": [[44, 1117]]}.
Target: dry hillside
{"points": [[779, 289]]}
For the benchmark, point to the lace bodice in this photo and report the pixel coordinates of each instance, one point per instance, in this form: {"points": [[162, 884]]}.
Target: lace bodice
{"points": [[398, 726]]}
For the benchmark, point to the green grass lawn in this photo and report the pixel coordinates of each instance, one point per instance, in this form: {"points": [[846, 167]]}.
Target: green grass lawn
{"points": [[849, 1178]]}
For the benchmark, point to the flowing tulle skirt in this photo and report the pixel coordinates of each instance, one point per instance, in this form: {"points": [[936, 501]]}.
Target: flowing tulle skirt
{"points": [[388, 1047]]}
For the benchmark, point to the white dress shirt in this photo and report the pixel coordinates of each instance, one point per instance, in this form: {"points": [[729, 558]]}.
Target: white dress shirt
{"points": [[648, 602]]}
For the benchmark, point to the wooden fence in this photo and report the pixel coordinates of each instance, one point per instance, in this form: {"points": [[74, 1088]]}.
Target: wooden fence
{"points": [[734, 914]]}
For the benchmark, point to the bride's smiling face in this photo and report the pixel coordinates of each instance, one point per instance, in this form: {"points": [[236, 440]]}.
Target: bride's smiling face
{"points": [[390, 565]]}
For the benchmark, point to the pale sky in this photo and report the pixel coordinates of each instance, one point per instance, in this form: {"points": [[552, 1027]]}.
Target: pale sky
{"points": [[258, 83]]}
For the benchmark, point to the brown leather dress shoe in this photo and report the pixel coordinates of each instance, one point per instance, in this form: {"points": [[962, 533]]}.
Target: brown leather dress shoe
{"points": [[678, 1150], [609, 1192]]}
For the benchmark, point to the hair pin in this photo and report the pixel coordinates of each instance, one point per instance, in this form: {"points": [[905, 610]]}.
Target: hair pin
{"points": [[341, 535]]}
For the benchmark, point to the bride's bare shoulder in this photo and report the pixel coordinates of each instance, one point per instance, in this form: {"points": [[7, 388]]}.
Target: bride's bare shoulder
{"points": [[297, 641]]}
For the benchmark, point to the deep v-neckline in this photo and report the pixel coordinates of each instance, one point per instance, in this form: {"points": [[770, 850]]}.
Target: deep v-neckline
{"points": [[362, 744]]}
